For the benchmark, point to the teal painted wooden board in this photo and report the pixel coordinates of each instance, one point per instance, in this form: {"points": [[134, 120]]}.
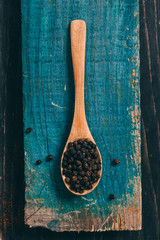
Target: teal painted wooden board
{"points": [[112, 100]]}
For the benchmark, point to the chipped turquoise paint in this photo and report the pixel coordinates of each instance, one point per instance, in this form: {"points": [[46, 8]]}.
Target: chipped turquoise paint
{"points": [[112, 101]]}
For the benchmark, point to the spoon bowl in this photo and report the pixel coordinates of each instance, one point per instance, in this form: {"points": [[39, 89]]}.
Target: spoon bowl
{"points": [[79, 129]]}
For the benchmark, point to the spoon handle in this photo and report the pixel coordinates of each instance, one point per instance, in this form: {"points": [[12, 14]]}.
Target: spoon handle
{"points": [[78, 43]]}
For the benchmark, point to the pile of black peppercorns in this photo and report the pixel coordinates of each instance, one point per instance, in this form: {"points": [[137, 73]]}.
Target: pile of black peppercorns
{"points": [[81, 165]]}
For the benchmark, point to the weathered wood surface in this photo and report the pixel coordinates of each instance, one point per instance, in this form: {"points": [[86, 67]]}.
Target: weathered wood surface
{"points": [[11, 150], [112, 100], [11, 120]]}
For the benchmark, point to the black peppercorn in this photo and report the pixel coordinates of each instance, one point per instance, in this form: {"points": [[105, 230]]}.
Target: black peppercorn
{"points": [[111, 197], [95, 155], [92, 151], [82, 173], [84, 161], [74, 178], [78, 153], [97, 176], [78, 146], [77, 185], [65, 159], [82, 187], [74, 166], [91, 163], [88, 173], [81, 156], [69, 167], [86, 184], [99, 167], [70, 144], [89, 179], [38, 162], [75, 143], [75, 173], [92, 144], [28, 130], [83, 150], [65, 155], [89, 147], [68, 173], [85, 179], [72, 151], [81, 163], [90, 169], [93, 176], [90, 186], [115, 161], [81, 191], [94, 167], [78, 163], [79, 168], [71, 159], [86, 155], [80, 141], [67, 179], [85, 165], [64, 170], [85, 145], [80, 178], [97, 161], [64, 164], [95, 180], [49, 158]]}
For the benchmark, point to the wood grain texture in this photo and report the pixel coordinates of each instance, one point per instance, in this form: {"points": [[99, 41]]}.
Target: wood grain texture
{"points": [[11, 120], [112, 100], [11, 80], [79, 128], [150, 88]]}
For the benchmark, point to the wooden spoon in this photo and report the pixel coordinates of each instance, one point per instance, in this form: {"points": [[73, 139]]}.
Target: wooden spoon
{"points": [[80, 127]]}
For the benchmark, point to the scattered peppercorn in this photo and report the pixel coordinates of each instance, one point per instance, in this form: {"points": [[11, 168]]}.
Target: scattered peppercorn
{"points": [[28, 130], [115, 161], [111, 197], [38, 162], [81, 165], [49, 158]]}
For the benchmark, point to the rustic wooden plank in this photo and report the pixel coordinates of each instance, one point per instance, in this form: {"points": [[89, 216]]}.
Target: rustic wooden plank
{"points": [[112, 110], [149, 164], [11, 120], [150, 88]]}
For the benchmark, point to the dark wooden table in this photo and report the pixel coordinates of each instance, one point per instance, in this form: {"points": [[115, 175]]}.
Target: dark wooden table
{"points": [[11, 130]]}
